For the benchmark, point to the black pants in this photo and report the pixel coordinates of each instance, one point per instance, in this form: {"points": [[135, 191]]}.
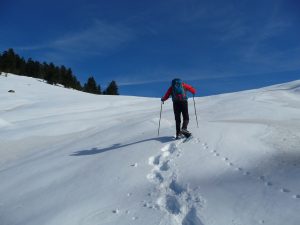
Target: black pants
{"points": [[181, 107]]}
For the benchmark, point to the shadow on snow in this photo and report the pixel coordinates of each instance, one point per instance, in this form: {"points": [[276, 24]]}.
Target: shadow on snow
{"points": [[118, 146]]}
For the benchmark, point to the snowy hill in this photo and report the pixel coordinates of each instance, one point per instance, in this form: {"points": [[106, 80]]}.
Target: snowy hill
{"points": [[68, 157]]}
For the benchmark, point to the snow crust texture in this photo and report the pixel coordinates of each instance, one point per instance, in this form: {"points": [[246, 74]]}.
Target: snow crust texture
{"points": [[73, 158]]}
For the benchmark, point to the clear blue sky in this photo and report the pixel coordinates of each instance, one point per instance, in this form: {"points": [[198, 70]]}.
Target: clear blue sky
{"points": [[216, 46]]}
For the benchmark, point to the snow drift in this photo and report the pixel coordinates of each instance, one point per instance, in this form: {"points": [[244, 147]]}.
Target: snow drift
{"points": [[68, 157]]}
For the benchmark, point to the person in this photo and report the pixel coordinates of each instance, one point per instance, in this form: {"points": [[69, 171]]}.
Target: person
{"points": [[180, 105]]}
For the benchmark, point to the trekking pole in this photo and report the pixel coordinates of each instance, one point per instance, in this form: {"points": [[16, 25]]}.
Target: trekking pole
{"points": [[195, 111], [159, 118]]}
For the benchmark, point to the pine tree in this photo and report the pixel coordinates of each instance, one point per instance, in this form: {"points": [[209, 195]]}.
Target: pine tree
{"points": [[1, 62], [99, 89], [112, 89], [44, 68], [91, 86], [29, 68], [50, 74], [71, 81], [9, 61], [20, 65]]}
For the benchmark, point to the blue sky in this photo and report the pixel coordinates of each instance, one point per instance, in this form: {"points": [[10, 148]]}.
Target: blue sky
{"points": [[216, 46]]}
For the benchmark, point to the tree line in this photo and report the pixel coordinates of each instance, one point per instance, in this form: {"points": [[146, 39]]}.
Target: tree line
{"points": [[10, 62]]}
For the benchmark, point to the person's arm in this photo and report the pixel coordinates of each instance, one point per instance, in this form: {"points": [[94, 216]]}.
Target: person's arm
{"points": [[167, 95], [189, 88]]}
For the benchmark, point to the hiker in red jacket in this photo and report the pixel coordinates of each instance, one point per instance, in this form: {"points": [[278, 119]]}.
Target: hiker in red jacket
{"points": [[180, 105]]}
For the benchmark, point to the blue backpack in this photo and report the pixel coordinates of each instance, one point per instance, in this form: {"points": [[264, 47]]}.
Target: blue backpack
{"points": [[178, 91]]}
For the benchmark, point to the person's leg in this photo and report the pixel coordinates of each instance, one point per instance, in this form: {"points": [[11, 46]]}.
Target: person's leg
{"points": [[185, 114], [177, 112]]}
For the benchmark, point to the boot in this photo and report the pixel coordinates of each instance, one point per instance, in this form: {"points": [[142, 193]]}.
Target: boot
{"points": [[185, 132], [179, 135]]}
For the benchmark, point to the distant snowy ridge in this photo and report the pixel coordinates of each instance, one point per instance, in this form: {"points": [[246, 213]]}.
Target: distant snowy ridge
{"points": [[68, 157], [292, 86]]}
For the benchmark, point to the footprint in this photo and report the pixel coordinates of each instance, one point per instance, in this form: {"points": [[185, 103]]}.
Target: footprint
{"points": [[268, 183], [191, 218], [176, 188], [165, 166], [156, 160], [156, 177], [134, 218], [172, 205], [225, 159], [296, 196], [116, 211], [147, 205], [172, 148], [284, 190], [196, 141], [134, 165]]}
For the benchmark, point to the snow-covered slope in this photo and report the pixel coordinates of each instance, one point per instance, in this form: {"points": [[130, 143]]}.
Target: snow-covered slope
{"points": [[68, 157]]}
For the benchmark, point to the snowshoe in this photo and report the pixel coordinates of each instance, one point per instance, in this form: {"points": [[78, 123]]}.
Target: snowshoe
{"points": [[179, 136], [186, 133]]}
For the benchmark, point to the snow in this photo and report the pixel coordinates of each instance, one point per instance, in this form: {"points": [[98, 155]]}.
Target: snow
{"points": [[68, 157]]}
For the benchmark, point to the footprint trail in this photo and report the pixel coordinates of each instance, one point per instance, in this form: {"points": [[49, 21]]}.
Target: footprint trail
{"points": [[179, 204]]}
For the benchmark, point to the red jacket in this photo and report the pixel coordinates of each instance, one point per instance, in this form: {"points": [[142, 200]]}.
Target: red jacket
{"points": [[185, 86]]}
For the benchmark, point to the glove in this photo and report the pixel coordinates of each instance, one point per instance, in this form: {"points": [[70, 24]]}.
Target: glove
{"points": [[162, 99]]}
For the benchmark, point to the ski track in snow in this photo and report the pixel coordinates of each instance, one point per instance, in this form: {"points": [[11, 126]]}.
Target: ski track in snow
{"points": [[265, 181], [180, 204]]}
